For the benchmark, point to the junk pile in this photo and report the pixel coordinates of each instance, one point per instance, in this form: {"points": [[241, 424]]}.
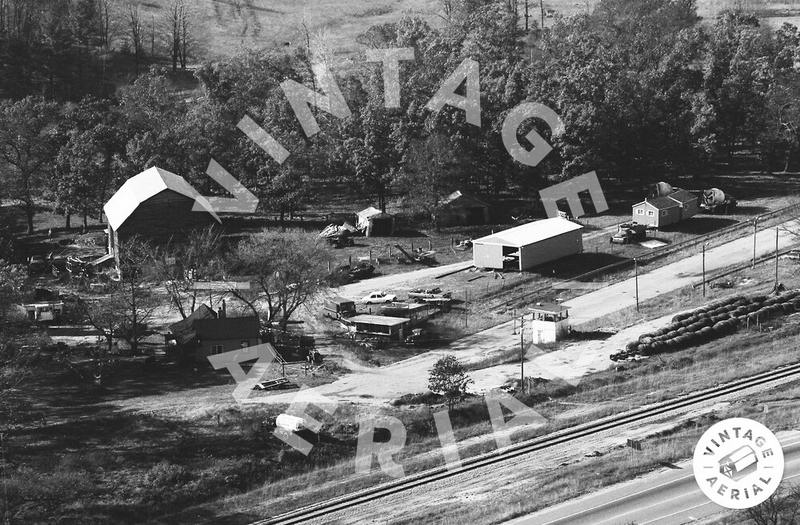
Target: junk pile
{"points": [[339, 236]]}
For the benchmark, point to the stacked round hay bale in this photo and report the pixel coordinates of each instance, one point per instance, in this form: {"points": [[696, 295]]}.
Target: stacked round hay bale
{"points": [[713, 320]]}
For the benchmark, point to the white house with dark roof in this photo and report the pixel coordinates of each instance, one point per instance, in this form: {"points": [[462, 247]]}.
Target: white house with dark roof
{"points": [[669, 209]]}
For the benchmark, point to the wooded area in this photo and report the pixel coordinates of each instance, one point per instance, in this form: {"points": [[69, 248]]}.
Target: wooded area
{"points": [[643, 88]]}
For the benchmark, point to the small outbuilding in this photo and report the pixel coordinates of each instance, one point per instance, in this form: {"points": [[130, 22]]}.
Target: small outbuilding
{"points": [[375, 223], [460, 209], [392, 328], [665, 209], [45, 311], [155, 204], [524, 247], [550, 322], [418, 313], [336, 307]]}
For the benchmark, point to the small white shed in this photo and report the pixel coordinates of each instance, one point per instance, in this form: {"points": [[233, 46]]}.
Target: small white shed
{"points": [[549, 322]]}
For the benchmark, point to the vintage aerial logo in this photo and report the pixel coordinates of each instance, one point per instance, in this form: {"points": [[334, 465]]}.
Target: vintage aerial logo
{"points": [[738, 463]]}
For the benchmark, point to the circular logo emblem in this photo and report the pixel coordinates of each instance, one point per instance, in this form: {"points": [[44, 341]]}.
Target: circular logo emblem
{"points": [[738, 463]]}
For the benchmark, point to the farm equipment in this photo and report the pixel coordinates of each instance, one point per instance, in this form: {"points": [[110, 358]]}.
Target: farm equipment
{"points": [[464, 245], [715, 200], [417, 337], [428, 295], [361, 271], [629, 232], [339, 236], [347, 273], [418, 257]]}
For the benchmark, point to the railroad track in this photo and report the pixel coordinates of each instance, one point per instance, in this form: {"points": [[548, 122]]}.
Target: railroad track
{"points": [[320, 510]]}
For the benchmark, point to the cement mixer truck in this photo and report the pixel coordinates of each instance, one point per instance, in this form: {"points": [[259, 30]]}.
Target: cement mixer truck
{"points": [[716, 201]]}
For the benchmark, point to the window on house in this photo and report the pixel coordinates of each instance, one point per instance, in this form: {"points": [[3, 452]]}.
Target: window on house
{"points": [[663, 212], [650, 213], [640, 212], [218, 349]]}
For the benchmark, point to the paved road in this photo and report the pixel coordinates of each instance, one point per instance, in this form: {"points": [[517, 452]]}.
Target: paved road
{"points": [[410, 375], [669, 497], [678, 274]]}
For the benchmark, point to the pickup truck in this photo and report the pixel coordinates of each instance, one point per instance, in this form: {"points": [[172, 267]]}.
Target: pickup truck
{"points": [[629, 232]]}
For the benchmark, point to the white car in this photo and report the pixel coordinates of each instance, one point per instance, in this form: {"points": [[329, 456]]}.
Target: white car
{"points": [[379, 298]]}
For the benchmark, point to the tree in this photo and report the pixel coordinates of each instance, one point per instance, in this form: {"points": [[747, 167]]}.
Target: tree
{"points": [[369, 151], [12, 283], [737, 75], [287, 270], [180, 263], [85, 167], [135, 32], [782, 508], [179, 26], [130, 303], [449, 379], [27, 149]]}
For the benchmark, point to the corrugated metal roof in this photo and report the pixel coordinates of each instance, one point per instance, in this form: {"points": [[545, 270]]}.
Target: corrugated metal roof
{"points": [[369, 212], [145, 185], [379, 320], [531, 233]]}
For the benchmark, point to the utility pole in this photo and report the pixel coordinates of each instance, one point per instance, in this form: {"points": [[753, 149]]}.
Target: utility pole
{"points": [[776, 258], [636, 280], [466, 307], [755, 230], [704, 269], [521, 351]]}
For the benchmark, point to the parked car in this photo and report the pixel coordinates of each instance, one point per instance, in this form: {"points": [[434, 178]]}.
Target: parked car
{"points": [[379, 298]]}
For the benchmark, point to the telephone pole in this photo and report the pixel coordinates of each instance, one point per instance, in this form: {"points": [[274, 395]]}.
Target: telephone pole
{"points": [[776, 258], [755, 230], [704, 269], [521, 351], [636, 280]]}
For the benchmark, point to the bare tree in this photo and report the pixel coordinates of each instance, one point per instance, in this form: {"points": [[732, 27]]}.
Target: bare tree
{"points": [[135, 32], [125, 311], [107, 13], [448, 9], [782, 508], [179, 25], [287, 269], [198, 257]]}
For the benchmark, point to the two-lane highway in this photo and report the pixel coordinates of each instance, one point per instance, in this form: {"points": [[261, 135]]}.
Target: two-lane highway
{"points": [[669, 497]]}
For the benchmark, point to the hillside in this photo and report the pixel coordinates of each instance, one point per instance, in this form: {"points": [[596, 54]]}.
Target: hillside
{"points": [[227, 25]]}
